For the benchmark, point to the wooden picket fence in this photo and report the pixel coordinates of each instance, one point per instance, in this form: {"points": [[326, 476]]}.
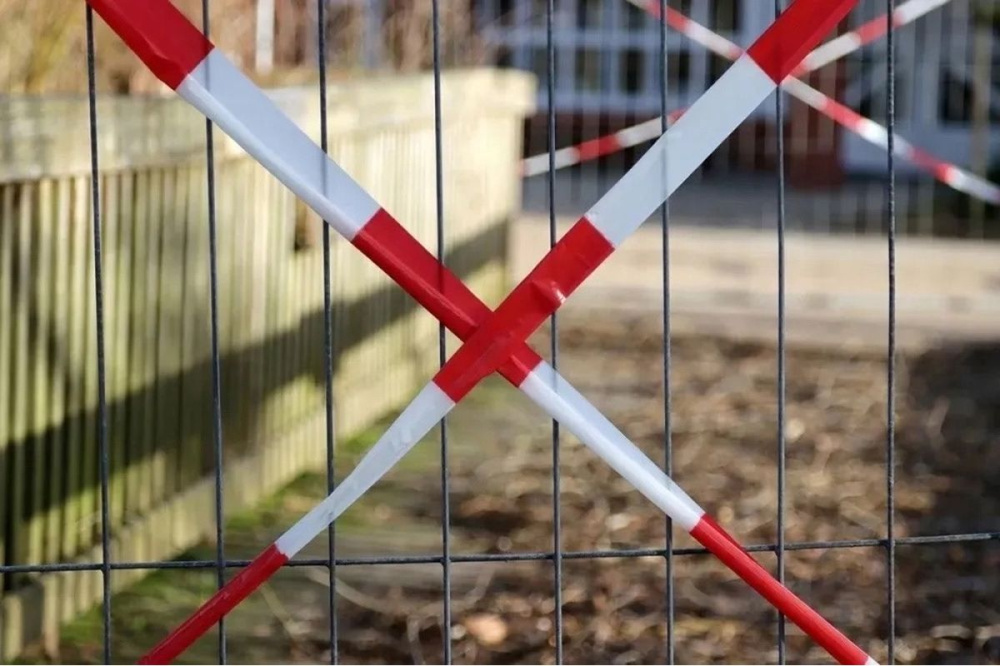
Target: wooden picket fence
{"points": [[156, 267]]}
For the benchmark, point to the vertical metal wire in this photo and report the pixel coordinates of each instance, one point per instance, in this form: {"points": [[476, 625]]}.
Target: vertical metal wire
{"points": [[890, 442], [328, 342], [213, 287], [442, 336], [668, 441], [550, 49], [102, 396], [780, 146]]}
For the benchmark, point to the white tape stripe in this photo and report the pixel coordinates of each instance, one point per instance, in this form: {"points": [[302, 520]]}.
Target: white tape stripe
{"points": [[560, 400], [914, 9], [647, 131], [220, 91], [973, 185], [711, 40], [806, 93], [675, 156], [427, 409], [538, 164], [831, 51]]}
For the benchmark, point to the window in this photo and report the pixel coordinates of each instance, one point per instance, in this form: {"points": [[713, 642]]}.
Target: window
{"points": [[717, 66], [503, 58], [956, 103], [874, 104], [505, 12], [726, 16], [683, 6], [540, 64], [540, 12], [588, 70], [496, 12], [955, 100], [632, 70], [636, 19], [678, 70], [590, 14]]}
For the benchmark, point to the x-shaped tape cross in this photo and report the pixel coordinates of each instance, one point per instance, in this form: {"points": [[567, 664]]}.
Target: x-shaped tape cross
{"points": [[185, 60]]}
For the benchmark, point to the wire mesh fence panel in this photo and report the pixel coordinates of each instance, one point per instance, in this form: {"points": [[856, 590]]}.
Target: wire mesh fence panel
{"points": [[802, 336]]}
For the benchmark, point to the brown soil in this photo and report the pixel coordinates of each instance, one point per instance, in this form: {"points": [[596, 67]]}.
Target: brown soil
{"points": [[947, 481], [724, 435]]}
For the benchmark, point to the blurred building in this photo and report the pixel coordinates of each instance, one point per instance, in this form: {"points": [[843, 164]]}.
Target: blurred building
{"points": [[608, 73]]}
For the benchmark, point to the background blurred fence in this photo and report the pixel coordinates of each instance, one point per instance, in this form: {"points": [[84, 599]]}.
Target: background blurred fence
{"points": [[156, 267]]}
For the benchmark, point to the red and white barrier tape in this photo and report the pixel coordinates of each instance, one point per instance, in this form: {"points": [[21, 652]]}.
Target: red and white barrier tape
{"points": [[171, 46], [177, 52], [661, 170], [650, 130], [867, 33], [949, 174]]}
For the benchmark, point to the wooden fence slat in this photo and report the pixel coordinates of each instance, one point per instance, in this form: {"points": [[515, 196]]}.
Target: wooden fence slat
{"points": [[196, 394], [153, 211], [7, 237], [168, 394], [75, 336], [61, 367], [41, 231], [138, 450], [114, 222], [123, 278], [90, 463], [256, 325], [229, 209], [21, 389]]}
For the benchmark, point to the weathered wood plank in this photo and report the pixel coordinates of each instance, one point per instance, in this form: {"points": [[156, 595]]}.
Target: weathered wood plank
{"points": [[152, 210], [196, 398], [138, 486], [58, 328], [169, 332], [8, 222], [21, 389], [75, 518], [41, 230], [113, 222], [90, 465]]}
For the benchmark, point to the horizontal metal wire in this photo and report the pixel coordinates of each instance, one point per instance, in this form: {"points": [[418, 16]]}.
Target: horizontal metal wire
{"points": [[531, 556]]}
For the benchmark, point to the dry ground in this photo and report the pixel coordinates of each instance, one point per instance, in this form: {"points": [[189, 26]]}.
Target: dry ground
{"points": [[724, 436]]}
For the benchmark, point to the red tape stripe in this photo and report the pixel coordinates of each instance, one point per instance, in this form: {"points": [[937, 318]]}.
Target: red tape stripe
{"points": [[594, 148], [790, 39], [238, 589], [405, 260], [160, 35], [719, 543], [540, 294]]}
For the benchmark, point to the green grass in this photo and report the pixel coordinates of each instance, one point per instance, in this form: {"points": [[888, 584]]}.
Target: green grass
{"points": [[144, 611]]}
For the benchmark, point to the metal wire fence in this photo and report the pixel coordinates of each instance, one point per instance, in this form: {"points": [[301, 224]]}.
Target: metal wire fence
{"points": [[543, 46]]}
